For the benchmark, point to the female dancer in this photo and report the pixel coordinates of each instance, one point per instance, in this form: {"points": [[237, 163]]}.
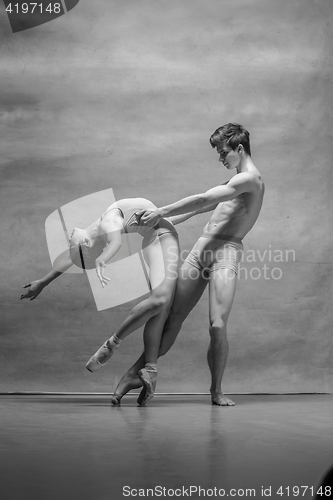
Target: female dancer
{"points": [[95, 245]]}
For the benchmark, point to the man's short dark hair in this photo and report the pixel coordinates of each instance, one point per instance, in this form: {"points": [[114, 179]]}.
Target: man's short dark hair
{"points": [[233, 134]]}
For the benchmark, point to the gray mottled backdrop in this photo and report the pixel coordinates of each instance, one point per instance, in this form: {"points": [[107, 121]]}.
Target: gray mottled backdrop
{"points": [[125, 95]]}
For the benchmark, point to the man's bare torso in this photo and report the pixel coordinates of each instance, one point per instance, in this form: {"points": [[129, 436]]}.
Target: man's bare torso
{"points": [[235, 217]]}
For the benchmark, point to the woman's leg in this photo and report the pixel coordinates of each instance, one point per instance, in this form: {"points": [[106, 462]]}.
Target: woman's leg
{"points": [[190, 287], [163, 273], [162, 257], [152, 334], [154, 327]]}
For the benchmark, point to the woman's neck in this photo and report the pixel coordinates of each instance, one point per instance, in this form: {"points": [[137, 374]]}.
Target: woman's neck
{"points": [[92, 231]]}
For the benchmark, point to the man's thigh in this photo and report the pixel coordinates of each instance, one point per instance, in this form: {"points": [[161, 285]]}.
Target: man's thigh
{"points": [[222, 287]]}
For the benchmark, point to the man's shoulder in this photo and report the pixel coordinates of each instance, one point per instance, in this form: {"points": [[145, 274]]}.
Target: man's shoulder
{"points": [[251, 180]]}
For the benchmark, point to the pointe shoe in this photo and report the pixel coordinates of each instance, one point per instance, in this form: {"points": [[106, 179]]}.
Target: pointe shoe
{"points": [[142, 396], [149, 385], [100, 357], [115, 399]]}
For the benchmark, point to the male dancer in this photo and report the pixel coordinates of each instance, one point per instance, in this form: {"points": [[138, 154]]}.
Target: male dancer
{"points": [[215, 255]]}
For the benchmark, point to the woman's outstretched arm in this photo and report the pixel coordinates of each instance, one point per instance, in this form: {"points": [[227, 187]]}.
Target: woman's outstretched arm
{"points": [[63, 263]]}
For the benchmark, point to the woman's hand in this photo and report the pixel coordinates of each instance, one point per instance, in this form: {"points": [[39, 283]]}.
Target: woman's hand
{"points": [[100, 265], [35, 288]]}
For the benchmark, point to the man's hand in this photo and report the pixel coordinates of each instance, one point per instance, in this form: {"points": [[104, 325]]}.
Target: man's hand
{"points": [[35, 288], [100, 265], [149, 218]]}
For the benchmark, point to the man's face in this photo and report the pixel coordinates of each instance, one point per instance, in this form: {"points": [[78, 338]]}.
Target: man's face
{"points": [[229, 158]]}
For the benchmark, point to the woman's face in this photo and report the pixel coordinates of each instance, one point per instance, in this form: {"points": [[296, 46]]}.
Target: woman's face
{"points": [[84, 251], [77, 237]]}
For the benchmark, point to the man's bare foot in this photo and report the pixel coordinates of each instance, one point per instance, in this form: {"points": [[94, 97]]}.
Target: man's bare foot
{"points": [[126, 384], [218, 398]]}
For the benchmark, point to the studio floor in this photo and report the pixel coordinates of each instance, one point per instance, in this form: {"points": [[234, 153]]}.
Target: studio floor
{"points": [[81, 447]]}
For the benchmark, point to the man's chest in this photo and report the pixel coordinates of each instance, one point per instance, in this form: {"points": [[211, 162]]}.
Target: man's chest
{"points": [[230, 209]]}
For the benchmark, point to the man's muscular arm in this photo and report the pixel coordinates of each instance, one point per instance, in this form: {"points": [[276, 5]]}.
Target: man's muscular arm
{"points": [[177, 219], [240, 183]]}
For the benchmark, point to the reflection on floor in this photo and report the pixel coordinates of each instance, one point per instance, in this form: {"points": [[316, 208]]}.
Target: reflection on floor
{"points": [[81, 447]]}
